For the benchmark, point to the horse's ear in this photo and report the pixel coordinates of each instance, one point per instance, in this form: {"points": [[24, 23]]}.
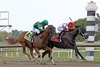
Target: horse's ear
{"points": [[50, 25]]}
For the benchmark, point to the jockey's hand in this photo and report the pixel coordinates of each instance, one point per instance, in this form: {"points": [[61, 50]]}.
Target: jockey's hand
{"points": [[41, 32], [41, 29]]}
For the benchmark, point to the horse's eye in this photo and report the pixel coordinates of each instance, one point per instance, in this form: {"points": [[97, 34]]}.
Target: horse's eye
{"points": [[81, 27]]}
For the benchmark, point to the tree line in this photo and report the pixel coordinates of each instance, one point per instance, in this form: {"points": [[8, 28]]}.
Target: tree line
{"points": [[82, 22]]}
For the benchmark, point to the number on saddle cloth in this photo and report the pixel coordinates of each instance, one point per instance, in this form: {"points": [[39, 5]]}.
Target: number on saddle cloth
{"points": [[28, 35]]}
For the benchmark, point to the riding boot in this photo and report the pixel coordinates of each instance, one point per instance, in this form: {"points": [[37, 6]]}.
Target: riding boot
{"points": [[31, 39]]}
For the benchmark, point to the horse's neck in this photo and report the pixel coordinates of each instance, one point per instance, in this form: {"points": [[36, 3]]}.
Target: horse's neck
{"points": [[75, 32], [44, 35]]}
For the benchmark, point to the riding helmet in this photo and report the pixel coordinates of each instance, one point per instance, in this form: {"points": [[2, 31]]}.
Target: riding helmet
{"points": [[45, 22], [71, 23]]}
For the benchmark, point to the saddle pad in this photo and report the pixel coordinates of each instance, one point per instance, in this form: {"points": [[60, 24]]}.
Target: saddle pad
{"points": [[28, 36], [55, 38]]}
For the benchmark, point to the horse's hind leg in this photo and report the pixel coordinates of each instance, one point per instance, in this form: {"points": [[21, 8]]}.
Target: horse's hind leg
{"points": [[76, 54], [31, 52], [24, 51], [44, 53]]}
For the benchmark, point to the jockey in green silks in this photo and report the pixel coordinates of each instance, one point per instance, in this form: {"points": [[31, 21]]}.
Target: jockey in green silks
{"points": [[38, 27]]}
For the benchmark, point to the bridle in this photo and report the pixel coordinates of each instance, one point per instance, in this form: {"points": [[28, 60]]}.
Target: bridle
{"points": [[83, 34]]}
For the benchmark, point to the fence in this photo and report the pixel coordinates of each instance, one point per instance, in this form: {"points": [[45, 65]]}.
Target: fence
{"points": [[15, 50]]}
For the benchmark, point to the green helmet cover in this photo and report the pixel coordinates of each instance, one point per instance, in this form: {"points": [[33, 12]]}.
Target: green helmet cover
{"points": [[36, 24], [45, 22]]}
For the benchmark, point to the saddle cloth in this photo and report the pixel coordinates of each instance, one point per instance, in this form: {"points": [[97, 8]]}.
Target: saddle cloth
{"points": [[28, 36], [55, 38]]}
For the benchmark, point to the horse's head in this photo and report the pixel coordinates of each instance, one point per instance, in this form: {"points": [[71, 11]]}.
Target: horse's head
{"points": [[52, 29], [82, 31]]}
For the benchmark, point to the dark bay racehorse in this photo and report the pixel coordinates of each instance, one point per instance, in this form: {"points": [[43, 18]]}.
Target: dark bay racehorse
{"points": [[39, 42], [68, 40]]}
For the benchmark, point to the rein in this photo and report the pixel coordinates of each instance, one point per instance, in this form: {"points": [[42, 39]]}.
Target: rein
{"points": [[83, 34]]}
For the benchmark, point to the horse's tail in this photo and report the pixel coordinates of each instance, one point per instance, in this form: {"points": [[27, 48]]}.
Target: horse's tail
{"points": [[11, 40]]}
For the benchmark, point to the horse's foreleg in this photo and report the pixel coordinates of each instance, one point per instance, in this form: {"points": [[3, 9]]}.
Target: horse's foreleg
{"points": [[37, 51], [24, 51], [77, 52], [49, 50]]}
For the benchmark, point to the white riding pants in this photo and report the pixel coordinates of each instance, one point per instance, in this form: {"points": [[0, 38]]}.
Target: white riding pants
{"points": [[35, 30]]}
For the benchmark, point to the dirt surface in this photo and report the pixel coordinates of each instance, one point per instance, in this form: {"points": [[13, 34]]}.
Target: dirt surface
{"points": [[48, 64]]}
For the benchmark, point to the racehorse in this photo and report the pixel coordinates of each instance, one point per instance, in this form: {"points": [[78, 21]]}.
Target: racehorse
{"points": [[39, 42], [68, 40]]}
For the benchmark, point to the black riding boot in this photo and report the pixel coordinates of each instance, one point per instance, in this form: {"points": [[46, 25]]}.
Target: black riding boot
{"points": [[31, 39]]}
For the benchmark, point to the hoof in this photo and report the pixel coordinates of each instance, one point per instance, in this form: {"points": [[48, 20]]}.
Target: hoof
{"points": [[39, 56], [4, 62], [55, 64]]}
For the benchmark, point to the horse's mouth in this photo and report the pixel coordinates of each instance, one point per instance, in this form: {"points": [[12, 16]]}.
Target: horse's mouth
{"points": [[86, 36]]}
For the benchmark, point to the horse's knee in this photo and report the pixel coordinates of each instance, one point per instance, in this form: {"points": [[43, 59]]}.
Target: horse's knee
{"points": [[50, 53], [50, 50], [39, 56]]}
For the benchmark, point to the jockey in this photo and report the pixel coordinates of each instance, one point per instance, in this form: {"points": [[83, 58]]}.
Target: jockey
{"points": [[62, 27], [66, 27], [70, 26], [44, 23], [39, 27]]}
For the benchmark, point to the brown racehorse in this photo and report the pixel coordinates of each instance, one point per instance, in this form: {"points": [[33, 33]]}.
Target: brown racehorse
{"points": [[40, 42]]}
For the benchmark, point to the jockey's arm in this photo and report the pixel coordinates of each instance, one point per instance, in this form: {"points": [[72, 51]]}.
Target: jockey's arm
{"points": [[41, 29]]}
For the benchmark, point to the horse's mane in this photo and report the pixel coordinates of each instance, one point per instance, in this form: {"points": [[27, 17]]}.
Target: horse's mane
{"points": [[77, 26]]}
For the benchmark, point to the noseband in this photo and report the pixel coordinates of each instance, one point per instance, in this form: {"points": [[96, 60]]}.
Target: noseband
{"points": [[81, 32]]}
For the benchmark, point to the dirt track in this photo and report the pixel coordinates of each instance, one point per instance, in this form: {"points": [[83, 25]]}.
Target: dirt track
{"points": [[58, 64]]}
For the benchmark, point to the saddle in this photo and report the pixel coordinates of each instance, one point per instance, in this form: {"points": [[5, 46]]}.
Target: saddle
{"points": [[30, 35], [55, 38]]}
